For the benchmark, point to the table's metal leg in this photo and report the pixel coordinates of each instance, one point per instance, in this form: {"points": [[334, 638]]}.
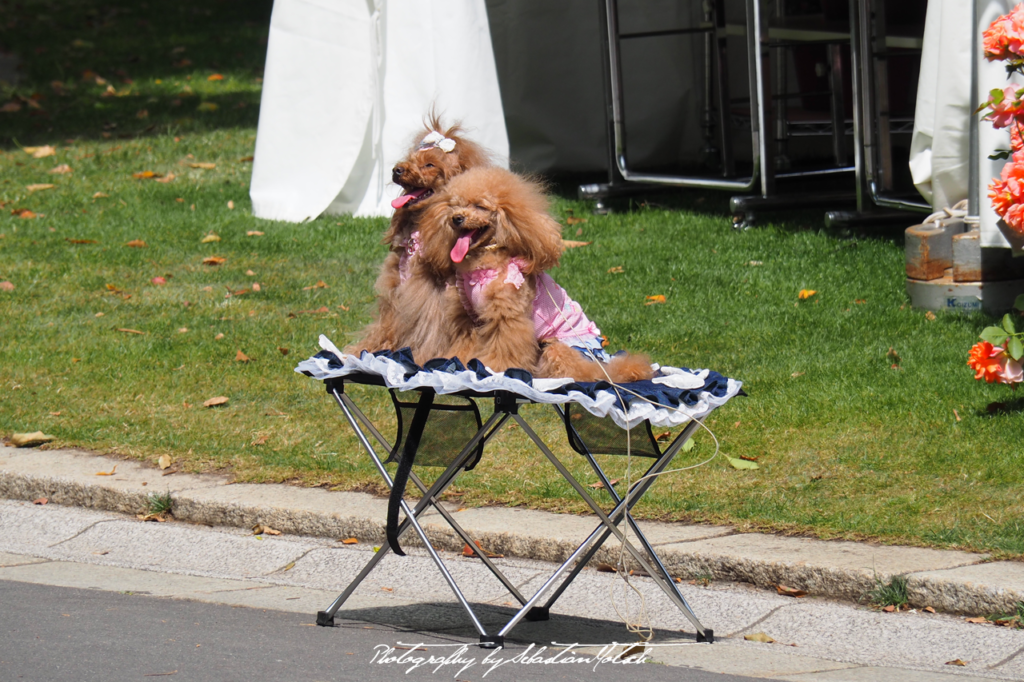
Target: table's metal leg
{"points": [[635, 494], [608, 524], [410, 516], [466, 537]]}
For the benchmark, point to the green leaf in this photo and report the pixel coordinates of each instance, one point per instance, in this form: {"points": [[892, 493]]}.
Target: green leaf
{"points": [[738, 463], [1001, 155], [1019, 303], [994, 335], [688, 445], [1015, 348], [1008, 324], [996, 95]]}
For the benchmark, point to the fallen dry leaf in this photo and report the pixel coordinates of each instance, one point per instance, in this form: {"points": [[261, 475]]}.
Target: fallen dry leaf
{"points": [[956, 661], [930, 316], [471, 552], [24, 213], [755, 263], [928, 609], [99, 195], [147, 175], [218, 337], [215, 77], [130, 331], [600, 485], [259, 441], [253, 233], [956, 414], [29, 440], [11, 107], [350, 541], [246, 159], [41, 500], [651, 300], [663, 437], [388, 589], [203, 165], [158, 281], [602, 567], [158, 518], [80, 241], [55, 414], [6, 286], [890, 608], [573, 220], [789, 591], [39, 186], [797, 374], [806, 293], [214, 402], [242, 357], [40, 152], [212, 237], [165, 179], [213, 260], [256, 286], [182, 330], [617, 270], [260, 529], [107, 473], [759, 637], [164, 462], [136, 244], [321, 309], [319, 285], [571, 244], [977, 619], [283, 351], [231, 205]]}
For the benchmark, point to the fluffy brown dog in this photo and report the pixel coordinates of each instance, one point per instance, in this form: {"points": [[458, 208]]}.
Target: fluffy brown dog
{"points": [[494, 227], [437, 155]]}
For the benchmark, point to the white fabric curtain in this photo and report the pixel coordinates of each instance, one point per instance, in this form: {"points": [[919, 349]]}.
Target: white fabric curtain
{"points": [[347, 86], [939, 148]]}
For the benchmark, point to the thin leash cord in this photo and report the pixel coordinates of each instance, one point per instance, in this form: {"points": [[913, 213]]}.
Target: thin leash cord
{"points": [[641, 626]]}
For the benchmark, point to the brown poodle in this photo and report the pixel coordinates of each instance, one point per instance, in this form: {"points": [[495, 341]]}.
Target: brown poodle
{"points": [[436, 156], [495, 228]]}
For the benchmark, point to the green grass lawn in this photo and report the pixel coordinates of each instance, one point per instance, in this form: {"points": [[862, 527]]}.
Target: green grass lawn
{"points": [[848, 446]]}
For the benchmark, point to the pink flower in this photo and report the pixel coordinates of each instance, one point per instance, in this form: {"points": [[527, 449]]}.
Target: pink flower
{"points": [[1016, 141], [1006, 112], [1007, 193], [1010, 370], [1004, 38]]}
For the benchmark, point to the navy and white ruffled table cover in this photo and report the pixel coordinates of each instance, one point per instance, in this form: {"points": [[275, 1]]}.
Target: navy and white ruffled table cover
{"points": [[678, 394]]}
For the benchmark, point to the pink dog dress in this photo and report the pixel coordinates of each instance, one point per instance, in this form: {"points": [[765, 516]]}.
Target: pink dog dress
{"points": [[555, 315]]}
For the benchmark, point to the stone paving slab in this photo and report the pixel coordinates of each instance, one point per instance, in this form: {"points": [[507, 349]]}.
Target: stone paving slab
{"points": [[981, 588], [934, 637], [871, 674], [835, 569]]}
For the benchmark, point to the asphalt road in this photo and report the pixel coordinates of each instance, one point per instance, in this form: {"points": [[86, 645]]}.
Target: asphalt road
{"points": [[60, 633]]}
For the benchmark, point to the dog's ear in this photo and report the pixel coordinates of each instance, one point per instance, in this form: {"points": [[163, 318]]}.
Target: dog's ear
{"points": [[530, 233], [436, 236]]}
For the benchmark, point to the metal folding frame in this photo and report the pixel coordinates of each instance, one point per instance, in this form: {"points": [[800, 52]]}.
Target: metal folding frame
{"points": [[506, 406]]}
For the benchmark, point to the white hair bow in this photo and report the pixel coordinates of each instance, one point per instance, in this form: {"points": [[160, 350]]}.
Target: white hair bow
{"points": [[436, 139]]}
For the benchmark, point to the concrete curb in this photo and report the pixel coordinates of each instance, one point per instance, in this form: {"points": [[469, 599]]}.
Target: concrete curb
{"points": [[951, 581]]}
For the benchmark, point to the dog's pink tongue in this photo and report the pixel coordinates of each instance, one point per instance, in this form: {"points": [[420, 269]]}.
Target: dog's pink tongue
{"points": [[461, 247], [406, 198]]}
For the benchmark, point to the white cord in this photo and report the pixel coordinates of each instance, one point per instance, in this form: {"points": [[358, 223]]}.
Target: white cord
{"points": [[641, 626]]}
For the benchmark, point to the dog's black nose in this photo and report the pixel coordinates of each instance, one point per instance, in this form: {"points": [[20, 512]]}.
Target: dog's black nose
{"points": [[458, 220], [397, 172]]}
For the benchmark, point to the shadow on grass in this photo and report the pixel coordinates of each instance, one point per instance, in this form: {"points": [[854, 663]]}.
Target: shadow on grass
{"points": [[63, 45]]}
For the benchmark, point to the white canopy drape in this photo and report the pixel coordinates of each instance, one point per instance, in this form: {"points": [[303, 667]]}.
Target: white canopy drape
{"points": [[348, 84]]}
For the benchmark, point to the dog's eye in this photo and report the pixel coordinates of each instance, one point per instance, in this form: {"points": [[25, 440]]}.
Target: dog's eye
{"points": [[481, 208], [429, 165]]}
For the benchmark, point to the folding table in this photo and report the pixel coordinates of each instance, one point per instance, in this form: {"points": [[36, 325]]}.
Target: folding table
{"points": [[445, 429]]}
